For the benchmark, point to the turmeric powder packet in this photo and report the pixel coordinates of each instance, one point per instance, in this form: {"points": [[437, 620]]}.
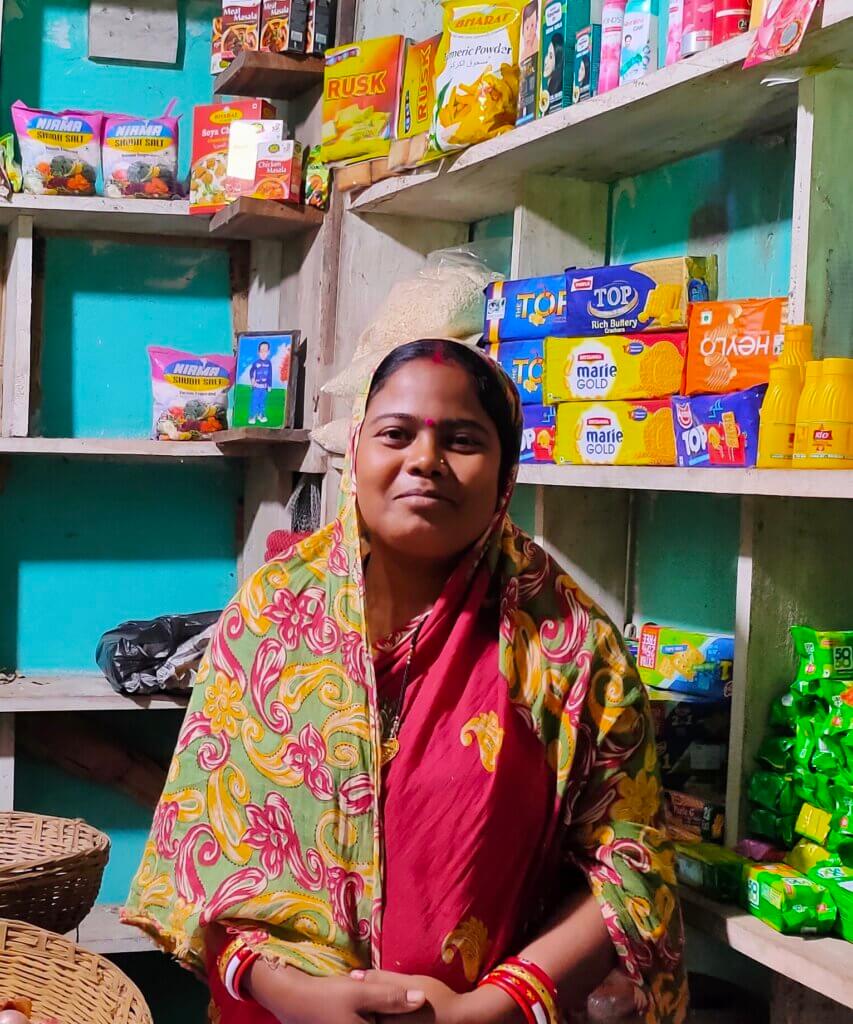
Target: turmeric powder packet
{"points": [[477, 73]]}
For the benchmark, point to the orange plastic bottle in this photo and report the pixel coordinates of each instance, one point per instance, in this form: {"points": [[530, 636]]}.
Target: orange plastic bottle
{"points": [[797, 348], [779, 417], [831, 430], [805, 410]]}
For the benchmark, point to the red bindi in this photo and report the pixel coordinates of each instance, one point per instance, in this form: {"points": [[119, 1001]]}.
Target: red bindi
{"points": [[429, 422]]}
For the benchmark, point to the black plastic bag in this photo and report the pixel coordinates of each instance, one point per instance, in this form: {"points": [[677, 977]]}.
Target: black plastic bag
{"points": [[155, 655]]}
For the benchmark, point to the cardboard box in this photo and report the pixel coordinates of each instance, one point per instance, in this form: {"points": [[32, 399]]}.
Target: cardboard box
{"points": [[361, 91], [284, 26], [718, 431], [241, 27], [209, 162], [679, 661], [269, 169], [523, 361], [218, 63], [652, 295], [615, 434], [530, 307], [320, 36], [691, 818], [417, 98], [587, 63], [539, 434], [528, 87]]}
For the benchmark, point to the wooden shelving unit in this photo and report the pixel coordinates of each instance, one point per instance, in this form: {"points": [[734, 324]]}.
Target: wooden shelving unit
{"points": [[672, 113], [76, 692], [263, 219], [278, 76]]}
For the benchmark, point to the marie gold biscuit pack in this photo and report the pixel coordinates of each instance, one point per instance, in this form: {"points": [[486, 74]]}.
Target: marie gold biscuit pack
{"points": [[615, 434]]}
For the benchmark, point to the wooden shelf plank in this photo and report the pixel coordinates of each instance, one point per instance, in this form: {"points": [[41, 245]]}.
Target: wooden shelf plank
{"points": [[792, 483], [263, 218], [102, 932], [76, 692], [262, 435], [277, 76], [98, 214], [822, 964], [672, 113]]}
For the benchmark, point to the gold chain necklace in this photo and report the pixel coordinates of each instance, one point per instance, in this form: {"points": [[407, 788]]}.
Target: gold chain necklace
{"points": [[391, 713]]}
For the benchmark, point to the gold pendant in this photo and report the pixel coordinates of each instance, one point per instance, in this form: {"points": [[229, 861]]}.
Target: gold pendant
{"points": [[390, 749]]}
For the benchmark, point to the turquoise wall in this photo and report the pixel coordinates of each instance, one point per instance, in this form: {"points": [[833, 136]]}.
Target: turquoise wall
{"points": [[84, 544]]}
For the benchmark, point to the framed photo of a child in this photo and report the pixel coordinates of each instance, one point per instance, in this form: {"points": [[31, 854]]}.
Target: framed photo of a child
{"points": [[265, 391]]}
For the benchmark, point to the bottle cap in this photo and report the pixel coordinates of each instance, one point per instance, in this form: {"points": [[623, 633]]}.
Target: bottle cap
{"points": [[835, 366]]}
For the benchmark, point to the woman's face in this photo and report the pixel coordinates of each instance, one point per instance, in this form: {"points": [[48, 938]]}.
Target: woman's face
{"points": [[550, 64], [428, 462]]}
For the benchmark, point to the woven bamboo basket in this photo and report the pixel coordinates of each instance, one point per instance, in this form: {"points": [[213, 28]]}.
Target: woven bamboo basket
{"points": [[64, 981], [50, 869]]}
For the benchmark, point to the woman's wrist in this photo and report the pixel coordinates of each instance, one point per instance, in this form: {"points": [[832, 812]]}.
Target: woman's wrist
{"points": [[488, 1005], [268, 983]]}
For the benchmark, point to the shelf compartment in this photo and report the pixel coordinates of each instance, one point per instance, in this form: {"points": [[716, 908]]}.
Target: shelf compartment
{"points": [[277, 76], [264, 219], [792, 483], [50, 691], [821, 964], [98, 213], [672, 113]]}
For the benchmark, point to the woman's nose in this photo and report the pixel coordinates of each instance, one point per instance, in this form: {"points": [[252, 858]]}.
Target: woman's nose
{"points": [[425, 456]]}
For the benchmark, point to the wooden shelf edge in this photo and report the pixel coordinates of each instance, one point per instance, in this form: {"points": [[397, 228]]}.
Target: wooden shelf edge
{"points": [[822, 964], [102, 932], [77, 691], [262, 218], [279, 76], [795, 483]]}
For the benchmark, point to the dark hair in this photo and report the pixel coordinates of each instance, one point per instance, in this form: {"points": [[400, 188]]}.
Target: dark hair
{"points": [[490, 391]]}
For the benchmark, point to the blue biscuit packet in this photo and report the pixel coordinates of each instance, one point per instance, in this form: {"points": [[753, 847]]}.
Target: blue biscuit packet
{"points": [[527, 308], [524, 362], [718, 431], [653, 295], [539, 433]]}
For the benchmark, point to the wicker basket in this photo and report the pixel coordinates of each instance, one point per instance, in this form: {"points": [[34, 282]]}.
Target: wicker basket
{"points": [[65, 981], [50, 869]]}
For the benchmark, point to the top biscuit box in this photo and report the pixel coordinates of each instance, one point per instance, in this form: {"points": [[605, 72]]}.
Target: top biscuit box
{"points": [[654, 295], [526, 309]]}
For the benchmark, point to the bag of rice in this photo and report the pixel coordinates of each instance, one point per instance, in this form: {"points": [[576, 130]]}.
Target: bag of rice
{"points": [[140, 156], [60, 152], [476, 73], [190, 393]]}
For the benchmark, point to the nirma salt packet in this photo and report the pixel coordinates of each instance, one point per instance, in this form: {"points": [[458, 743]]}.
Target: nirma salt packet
{"points": [[713, 431], [530, 307], [653, 295]]}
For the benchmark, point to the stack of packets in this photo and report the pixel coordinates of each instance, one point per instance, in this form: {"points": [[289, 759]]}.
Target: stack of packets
{"points": [[688, 676], [271, 26], [610, 346], [796, 870]]}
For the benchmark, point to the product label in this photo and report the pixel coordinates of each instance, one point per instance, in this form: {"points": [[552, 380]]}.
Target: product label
{"points": [[65, 132], [139, 137], [196, 375]]}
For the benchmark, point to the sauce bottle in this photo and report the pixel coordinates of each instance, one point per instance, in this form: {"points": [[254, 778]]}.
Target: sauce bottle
{"points": [[829, 436], [779, 417], [797, 348], [805, 408]]}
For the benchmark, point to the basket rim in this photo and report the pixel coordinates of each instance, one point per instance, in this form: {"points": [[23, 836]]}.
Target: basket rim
{"points": [[48, 939], [99, 843]]}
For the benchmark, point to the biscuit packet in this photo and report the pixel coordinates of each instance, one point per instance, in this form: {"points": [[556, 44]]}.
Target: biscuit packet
{"points": [[615, 434], [788, 901], [476, 74], [823, 654], [731, 345]]}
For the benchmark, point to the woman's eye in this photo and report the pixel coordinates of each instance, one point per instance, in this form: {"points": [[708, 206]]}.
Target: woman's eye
{"points": [[396, 434], [464, 441]]}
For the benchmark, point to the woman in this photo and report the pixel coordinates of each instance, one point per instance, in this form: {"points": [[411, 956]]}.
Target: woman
{"points": [[414, 744]]}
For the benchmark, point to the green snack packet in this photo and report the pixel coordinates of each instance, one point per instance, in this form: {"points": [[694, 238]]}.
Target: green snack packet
{"points": [[777, 753], [713, 870], [805, 741], [788, 901], [840, 716], [774, 792], [828, 756], [813, 823], [823, 654], [838, 881], [771, 825], [783, 712]]}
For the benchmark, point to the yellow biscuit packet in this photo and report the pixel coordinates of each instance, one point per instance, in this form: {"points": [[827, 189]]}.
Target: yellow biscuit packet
{"points": [[615, 366], [615, 434], [476, 74]]}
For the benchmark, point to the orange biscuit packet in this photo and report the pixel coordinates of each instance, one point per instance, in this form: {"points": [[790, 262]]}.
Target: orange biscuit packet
{"points": [[730, 345]]}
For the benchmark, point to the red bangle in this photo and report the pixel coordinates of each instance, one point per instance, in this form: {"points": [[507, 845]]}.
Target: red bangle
{"points": [[537, 972], [515, 994]]}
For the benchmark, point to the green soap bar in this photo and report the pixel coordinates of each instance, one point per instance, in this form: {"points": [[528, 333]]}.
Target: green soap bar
{"points": [[788, 901], [783, 712], [774, 791], [823, 654], [777, 753], [770, 825], [838, 881], [714, 870]]}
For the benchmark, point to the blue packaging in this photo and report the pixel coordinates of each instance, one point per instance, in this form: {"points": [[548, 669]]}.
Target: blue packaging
{"points": [[718, 431], [539, 434], [524, 362], [531, 307], [653, 295]]}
